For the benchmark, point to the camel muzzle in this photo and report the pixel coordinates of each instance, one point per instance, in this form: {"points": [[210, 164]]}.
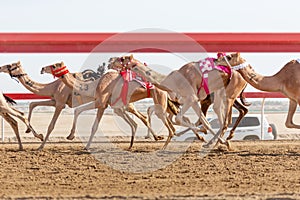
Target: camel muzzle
{"points": [[42, 71]]}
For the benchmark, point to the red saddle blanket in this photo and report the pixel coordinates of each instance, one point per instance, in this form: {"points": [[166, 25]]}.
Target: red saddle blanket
{"points": [[128, 76]]}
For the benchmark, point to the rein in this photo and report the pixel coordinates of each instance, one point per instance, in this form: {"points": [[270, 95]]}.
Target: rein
{"points": [[13, 76]]}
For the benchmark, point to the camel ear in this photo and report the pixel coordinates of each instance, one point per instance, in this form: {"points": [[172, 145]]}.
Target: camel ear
{"points": [[238, 54], [18, 63], [131, 57], [62, 63]]}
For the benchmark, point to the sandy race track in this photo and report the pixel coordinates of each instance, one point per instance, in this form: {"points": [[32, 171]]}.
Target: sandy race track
{"points": [[254, 170]]}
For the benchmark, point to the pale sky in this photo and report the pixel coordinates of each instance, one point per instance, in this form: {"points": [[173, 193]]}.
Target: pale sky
{"points": [[131, 15]]}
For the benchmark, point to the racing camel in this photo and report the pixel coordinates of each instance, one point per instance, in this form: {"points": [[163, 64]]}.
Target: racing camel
{"points": [[60, 94], [285, 81], [189, 84], [237, 80], [7, 111], [108, 92]]}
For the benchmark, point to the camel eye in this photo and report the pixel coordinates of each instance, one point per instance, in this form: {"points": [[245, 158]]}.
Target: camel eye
{"points": [[53, 66], [228, 57], [148, 73]]}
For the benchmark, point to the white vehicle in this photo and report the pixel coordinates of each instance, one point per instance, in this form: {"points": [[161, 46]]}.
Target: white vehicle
{"points": [[249, 129]]}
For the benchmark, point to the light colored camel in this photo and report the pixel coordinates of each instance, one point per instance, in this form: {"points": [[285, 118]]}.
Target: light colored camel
{"points": [[60, 94], [121, 63], [286, 81], [186, 84], [125, 62], [7, 111], [107, 92]]}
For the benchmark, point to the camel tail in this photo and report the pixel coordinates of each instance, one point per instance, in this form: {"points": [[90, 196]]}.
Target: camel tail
{"points": [[173, 106], [243, 99], [9, 100]]}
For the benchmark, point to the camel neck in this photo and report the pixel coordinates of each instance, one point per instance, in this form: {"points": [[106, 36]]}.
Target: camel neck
{"points": [[260, 82], [34, 87]]}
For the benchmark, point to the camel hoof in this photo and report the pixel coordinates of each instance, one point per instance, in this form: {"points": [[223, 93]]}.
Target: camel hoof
{"points": [[208, 145], [28, 130], [160, 137], [147, 137], [70, 137], [40, 136], [229, 147], [40, 148], [230, 137], [203, 130]]}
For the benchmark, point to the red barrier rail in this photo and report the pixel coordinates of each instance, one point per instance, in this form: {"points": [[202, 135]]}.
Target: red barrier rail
{"points": [[25, 96], [142, 42]]}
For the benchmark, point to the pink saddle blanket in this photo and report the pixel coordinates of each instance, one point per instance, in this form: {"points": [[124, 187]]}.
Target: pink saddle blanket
{"points": [[206, 65]]}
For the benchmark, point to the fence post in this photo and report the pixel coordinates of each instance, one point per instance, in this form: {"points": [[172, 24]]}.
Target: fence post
{"points": [[262, 118], [2, 129]]}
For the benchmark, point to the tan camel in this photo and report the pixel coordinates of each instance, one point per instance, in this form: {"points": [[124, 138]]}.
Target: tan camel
{"points": [[186, 84], [107, 92], [286, 81], [7, 111], [119, 63], [60, 94]]}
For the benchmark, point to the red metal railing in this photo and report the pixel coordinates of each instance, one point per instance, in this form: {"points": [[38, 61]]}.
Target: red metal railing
{"points": [[86, 42], [113, 42], [24, 96]]}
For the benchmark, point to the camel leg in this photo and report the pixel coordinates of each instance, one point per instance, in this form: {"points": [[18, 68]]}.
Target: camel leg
{"points": [[242, 112], [150, 111], [187, 103], [20, 115], [219, 106], [32, 105], [95, 127], [77, 112], [14, 125], [204, 121], [145, 120], [171, 133], [289, 120], [51, 126], [161, 114], [204, 107], [131, 122]]}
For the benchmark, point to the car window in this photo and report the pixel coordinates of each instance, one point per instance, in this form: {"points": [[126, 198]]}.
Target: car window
{"points": [[245, 122]]}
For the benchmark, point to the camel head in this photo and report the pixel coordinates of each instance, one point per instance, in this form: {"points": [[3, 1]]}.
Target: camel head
{"points": [[14, 69], [124, 62], [230, 60], [57, 69]]}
